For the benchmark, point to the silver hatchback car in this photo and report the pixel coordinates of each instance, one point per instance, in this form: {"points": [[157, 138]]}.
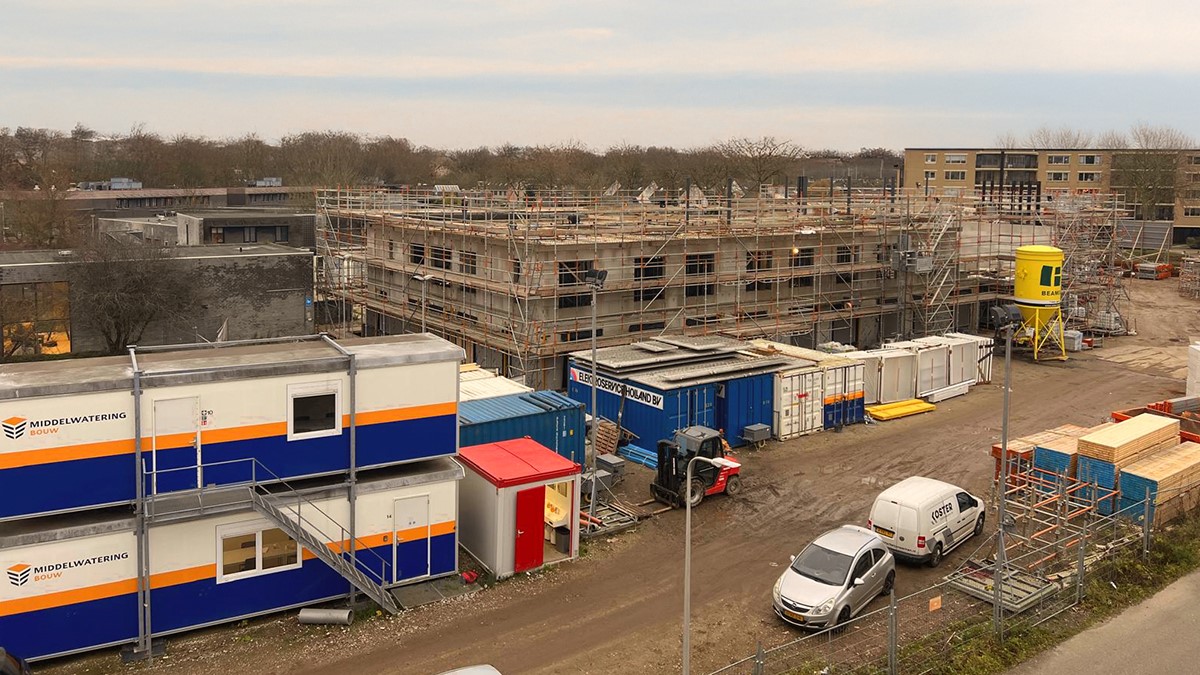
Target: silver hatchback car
{"points": [[834, 578]]}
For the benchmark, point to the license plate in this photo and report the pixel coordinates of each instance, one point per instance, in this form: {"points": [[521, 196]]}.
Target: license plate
{"points": [[885, 532], [797, 616]]}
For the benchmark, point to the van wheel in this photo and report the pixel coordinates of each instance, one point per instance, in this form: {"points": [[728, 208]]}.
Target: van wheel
{"points": [[733, 485], [889, 583], [935, 558], [979, 525], [843, 618]]}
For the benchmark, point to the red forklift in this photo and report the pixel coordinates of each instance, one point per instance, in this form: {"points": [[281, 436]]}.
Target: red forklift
{"points": [[673, 457]]}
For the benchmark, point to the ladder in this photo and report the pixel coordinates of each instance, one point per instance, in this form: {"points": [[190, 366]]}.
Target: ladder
{"points": [[289, 519]]}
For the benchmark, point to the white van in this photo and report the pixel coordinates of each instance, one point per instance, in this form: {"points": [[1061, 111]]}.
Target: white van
{"points": [[922, 519]]}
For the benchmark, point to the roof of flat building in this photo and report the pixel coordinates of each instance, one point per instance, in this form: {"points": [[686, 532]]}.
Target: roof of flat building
{"points": [[183, 364], [66, 256]]}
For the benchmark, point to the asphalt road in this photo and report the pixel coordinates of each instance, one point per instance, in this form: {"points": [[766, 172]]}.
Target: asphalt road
{"points": [[1156, 636]]}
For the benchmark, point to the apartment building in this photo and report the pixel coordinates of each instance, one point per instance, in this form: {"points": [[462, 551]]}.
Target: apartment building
{"points": [[1160, 189]]}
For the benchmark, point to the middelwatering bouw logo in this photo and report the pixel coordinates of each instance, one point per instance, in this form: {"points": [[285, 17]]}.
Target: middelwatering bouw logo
{"points": [[14, 427], [18, 575], [18, 427], [22, 573]]}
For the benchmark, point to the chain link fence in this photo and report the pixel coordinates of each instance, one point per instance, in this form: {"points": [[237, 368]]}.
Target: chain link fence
{"points": [[935, 629]]}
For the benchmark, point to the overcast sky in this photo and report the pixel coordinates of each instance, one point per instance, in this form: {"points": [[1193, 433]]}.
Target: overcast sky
{"points": [[825, 73]]}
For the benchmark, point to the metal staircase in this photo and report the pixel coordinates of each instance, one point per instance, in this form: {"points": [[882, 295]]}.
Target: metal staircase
{"points": [[332, 552]]}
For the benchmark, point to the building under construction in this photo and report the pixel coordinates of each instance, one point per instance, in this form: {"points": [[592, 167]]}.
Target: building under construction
{"points": [[511, 275]]}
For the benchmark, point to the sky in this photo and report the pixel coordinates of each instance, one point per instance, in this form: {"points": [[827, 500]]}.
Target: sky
{"points": [[840, 74]]}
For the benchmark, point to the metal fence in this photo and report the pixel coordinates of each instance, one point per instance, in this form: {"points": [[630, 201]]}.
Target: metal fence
{"points": [[934, 629]]}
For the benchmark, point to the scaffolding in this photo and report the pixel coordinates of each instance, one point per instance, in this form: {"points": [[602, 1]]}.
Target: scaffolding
{"points": [[501, 271], [1189, 278], [1085, 228]]}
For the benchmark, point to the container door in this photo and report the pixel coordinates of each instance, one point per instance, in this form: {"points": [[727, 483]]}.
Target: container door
{"points": [[786, 405], [411, 541], [531, 506], [175, 445], [808, 396]]}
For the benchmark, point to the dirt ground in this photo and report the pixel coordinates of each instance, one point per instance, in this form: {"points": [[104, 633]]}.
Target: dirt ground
{"points": [[618, 609]]}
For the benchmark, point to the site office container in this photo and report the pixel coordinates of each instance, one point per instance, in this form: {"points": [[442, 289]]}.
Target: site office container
{"points": [[843, 398], [476, 383], [650, 413], [933, 365], [520, 506], [72, 580], [844, 395], [889, 375], [985, 348], [799, 402], [547, 417], [962, 357], [219, 415], [744, 401]]}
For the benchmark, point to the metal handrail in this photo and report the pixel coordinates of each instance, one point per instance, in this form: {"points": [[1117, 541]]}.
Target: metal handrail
{"points": [[258, 485]]}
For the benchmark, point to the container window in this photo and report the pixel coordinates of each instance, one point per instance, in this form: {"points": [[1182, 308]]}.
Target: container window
{"points": [[278, 549], [314, 413], [239, 554], [249, 549], [314, 410]]}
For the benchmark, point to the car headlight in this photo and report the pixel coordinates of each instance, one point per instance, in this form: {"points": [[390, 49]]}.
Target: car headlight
{"points": [[825, 607], [775, 591]]}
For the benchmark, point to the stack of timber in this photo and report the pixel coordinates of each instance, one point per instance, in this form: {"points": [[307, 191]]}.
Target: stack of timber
{"points": [[1171, 478], [1102, 454], [1058, 455], [1021, 450], [891, 411]]}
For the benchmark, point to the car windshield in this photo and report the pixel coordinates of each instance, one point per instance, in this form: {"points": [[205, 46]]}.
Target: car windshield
{"points": [[822, 565]]}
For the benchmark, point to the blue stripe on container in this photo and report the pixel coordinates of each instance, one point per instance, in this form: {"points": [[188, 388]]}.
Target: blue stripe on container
{"points": [[61, 486]]}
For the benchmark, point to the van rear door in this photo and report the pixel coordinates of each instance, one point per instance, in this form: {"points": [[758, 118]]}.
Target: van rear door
{"points": [[896, 524]]}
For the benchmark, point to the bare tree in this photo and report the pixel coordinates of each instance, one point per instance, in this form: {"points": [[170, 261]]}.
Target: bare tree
{"points": [[1046, 138], [1112, 140], [761, 160], [1148, 173], [119, 288]]}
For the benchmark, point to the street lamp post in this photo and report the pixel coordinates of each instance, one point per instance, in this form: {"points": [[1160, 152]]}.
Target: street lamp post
{"points": [[423, 278], [720, 463], [1007, 318], [594, 278]]}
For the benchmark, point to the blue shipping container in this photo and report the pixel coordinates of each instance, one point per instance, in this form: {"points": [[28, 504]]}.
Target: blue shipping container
{"points": [[547, 417], [745, 401], [651, 414]]}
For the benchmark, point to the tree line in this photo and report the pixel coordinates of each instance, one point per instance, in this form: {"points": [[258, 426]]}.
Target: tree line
{"points": [[37, 158]]}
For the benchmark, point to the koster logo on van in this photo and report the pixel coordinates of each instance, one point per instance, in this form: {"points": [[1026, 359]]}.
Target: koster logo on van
{"points": [[940, 511]]}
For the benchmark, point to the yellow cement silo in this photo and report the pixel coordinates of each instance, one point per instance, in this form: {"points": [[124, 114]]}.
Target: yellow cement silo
{"points": [[1038, 293]]}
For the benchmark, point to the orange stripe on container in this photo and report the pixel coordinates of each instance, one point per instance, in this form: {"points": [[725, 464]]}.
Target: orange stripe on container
{"points": [[71, 597], [68, 453], [185, 576], [171, 441]]}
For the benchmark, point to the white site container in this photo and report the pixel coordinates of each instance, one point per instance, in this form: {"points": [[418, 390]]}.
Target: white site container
{"points": [[799, 395], [897, 375], [961, 354], [480, 383], [889, 375], [985, 348], [933, 365]]}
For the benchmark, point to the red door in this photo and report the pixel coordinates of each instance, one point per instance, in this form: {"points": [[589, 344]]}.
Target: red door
{"points": [[531, 506]]}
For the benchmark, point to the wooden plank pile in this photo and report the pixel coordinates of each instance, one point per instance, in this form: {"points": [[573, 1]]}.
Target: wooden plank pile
{"points": [[1058, 455], [1172, 479], [1102, 454], [1021, 450]]}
